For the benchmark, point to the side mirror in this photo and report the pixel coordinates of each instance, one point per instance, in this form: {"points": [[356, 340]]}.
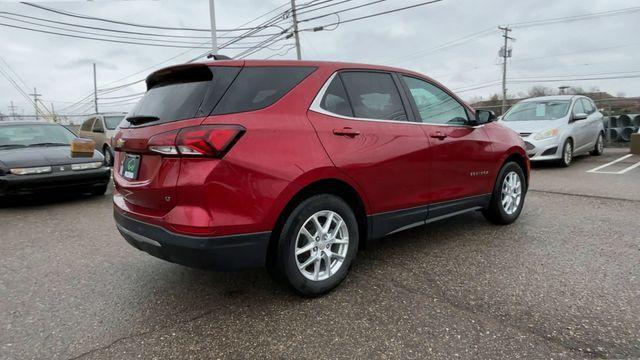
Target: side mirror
{"points": [[579, 116], [100, 131], [484, 116]]}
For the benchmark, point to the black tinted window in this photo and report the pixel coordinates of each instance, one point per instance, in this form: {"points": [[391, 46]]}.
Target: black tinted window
{"points": [[335, 99], [259, 87], [434, 105], [373, 95], [184, 93]]}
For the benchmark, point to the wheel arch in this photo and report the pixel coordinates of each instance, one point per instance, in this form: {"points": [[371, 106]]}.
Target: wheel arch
{"points": [[334, 186], [522, 161]]}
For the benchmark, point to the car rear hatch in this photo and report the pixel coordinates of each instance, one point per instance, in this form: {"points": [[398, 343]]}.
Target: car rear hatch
{"points": [[178, 97]]}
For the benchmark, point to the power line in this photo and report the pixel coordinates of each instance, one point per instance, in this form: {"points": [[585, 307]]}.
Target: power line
{"points": [[242, 36], [342, 11], [340, 22], [80, 16], [98, 34], [99, 39], [587, 16], [465, 39]]}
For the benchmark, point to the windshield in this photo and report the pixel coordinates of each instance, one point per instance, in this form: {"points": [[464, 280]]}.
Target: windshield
{"points": [[22, 135], [112, 122], [538, 110]]}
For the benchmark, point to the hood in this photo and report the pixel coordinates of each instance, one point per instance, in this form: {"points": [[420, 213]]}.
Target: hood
{"points": [[533, 126], [42, 156]]}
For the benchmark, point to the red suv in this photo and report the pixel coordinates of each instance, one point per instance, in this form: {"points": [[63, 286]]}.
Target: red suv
{"points": [[295, 165]]}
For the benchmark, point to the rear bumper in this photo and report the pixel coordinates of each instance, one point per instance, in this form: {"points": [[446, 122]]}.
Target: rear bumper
{"points": [[222, 253], [72, 181]]}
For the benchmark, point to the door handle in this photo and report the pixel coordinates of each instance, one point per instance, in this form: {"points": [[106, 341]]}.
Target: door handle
{"points": [[346, 131], [439, 135]]}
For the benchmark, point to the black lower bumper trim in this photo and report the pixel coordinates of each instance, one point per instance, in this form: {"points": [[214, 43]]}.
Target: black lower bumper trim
{"points": [[72, 181], [222, 253]]}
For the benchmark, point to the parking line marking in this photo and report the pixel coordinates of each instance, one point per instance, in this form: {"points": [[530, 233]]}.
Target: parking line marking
{"points": [[609, 164], [629, 168]]}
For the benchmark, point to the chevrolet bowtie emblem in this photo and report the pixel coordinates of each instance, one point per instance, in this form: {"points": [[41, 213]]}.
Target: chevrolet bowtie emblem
{"points": [[120, 143]]}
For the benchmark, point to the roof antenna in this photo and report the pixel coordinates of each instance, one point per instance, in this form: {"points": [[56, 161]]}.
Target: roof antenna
{"points": [[218, 57]]}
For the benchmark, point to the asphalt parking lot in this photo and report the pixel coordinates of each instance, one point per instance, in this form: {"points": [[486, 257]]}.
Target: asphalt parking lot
{"points": [[562, 282]]}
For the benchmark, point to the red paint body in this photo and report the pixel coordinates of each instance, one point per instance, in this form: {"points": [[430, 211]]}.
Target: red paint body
{"points": [[287, 147]]}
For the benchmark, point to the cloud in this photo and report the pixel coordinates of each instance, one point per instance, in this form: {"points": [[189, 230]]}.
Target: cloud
{"points": [[61, 67]]}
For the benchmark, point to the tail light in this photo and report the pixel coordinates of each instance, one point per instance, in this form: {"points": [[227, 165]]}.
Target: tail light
{"points": [[204, 140]]}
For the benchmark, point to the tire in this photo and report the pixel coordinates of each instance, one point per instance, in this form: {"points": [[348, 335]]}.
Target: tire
{"points": [[497, 212], [567, 153], [598, 149], [108, 155], [99, 191], [314, 280]]}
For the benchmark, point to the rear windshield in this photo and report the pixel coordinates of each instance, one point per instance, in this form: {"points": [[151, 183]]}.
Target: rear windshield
{"points": [[199, 91], [538, 110], [184, 93], [112, 122], [259, 87]]}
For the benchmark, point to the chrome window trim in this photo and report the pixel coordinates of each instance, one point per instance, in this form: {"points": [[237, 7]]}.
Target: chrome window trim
{"points": [[315, 106]]}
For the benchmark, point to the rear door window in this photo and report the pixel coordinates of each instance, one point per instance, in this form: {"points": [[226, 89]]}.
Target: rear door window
{"points": [[259, 87], [183, 93], [373, 95]]}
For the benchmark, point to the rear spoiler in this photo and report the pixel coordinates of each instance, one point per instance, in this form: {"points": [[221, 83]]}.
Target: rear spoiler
{"points": [[183, 74]]}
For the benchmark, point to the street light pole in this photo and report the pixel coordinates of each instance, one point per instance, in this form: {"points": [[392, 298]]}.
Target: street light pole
{"points": [[214, 37]]}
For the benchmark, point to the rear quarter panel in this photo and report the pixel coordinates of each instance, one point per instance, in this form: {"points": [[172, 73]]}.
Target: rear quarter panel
{"points": [[278, 155]]}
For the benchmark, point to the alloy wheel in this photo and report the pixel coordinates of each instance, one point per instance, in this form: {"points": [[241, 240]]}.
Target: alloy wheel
{"points": [[568, 153], [511, 193], [600, 145], [321, 245]]}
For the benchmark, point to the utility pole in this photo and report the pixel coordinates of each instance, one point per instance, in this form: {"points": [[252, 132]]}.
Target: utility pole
{"points": [[214, 36], [295, 29], [95, 89], [36, 97], [12, 110], [505, 53], [53, 114]]}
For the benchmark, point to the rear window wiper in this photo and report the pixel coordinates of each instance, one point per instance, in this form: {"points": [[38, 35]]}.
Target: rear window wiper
{"points": [[141, 119], [11, 145], [48, 144]]}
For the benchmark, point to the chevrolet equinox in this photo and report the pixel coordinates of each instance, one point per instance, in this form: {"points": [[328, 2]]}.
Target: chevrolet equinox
{"points": [[294, 165]]}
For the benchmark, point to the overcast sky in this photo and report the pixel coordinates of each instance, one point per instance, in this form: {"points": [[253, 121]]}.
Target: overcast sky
{"points": [[61, 69]]}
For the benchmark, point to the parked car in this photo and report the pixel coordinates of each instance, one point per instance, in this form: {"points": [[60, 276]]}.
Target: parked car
{"points": [[295, 165], [101, 128], [557, 128], [35, 157]]}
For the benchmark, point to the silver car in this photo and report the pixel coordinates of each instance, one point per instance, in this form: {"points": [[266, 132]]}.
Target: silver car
{"points": [[557, 127]]}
